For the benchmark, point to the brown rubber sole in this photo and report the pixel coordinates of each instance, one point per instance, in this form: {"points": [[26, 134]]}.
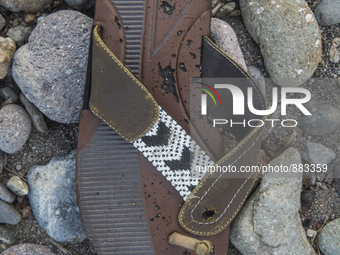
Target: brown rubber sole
{"points": [[127, 206]]}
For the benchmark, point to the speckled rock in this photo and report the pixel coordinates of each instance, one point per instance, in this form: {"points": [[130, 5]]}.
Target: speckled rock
{"points": [[7, 49], [325, 118], [7, 236], [329, 237], [17, 34], [279, 27], [316, 153], [5, 194], [15, 127], [8, 214], [81, 3], [51, 69], [28, 249], [226, 39], [17, 186], [24, 5], [328, 12], [53, 199], [269, 222], [258, 77]]}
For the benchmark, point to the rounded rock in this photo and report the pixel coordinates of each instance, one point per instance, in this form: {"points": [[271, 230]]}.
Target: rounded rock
{"points": [[17, 186], [51, 68], [15, 127], [328, 12], [329, 237], [28, 249], [307, 197], [279, 27], [24, 5], [81, 3]]}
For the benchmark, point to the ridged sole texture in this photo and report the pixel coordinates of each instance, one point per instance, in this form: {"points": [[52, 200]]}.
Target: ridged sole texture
{"points": [[108, 170]]}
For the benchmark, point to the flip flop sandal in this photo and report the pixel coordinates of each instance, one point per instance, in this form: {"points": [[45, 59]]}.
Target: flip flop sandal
{"points": [[109, 191]]}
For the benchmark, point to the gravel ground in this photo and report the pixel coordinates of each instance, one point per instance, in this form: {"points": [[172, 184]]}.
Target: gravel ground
{"points": [[62, 138]]}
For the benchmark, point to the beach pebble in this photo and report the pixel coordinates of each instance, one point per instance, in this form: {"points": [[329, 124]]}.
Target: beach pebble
{"points": [[28, 249], [227, 8], [316, 153], [325, 118], [15, 127], [17, 186], [269, 222], [288, 61], [36, 116], [51, 68], [7, 49], [329, 237], [24, 5], [5, 194], [53, 199], [7, 236], [7, 93], [8, 214], [17, 34], [225, 37], [334, 54], [328, 12]]}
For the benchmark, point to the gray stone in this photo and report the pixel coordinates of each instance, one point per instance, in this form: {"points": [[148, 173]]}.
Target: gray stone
{"points": [[8, 214], [15, 127], [258, 77], [329, 237], [17, 186], [227, 8], [226, 39], [2, 22], [328, 12], [28, 249], [279, 27], [6, 93], [7, 236], [24, 5], [5, 194], [269, 222], [2, 160], [81, 3], [316, 153], [53, 199], [36, 116], [325, 118], [17, 34], [51, 69]]}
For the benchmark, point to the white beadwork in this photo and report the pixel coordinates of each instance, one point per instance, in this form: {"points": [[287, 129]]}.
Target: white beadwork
{"points": [[181, 179]]}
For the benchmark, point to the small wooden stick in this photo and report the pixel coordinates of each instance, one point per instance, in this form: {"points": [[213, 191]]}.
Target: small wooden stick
{"points": [[218, 6], [200, 247]]}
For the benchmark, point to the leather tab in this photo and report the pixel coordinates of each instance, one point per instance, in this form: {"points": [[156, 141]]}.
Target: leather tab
{"points": [[118, 97], [216, 200]]}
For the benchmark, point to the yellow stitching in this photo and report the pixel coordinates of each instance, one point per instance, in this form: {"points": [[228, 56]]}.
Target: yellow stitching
{"points": [[101, 43], [223, 160]]}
